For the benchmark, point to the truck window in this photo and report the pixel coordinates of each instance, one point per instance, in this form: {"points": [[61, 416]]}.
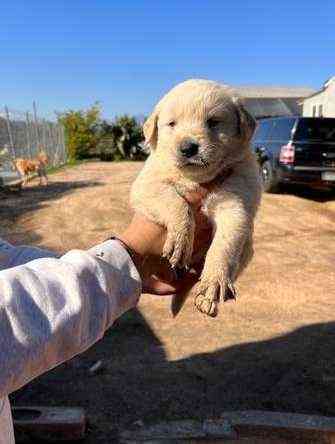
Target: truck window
{"points": [[262, 131], [315, 129], [282, 129]]}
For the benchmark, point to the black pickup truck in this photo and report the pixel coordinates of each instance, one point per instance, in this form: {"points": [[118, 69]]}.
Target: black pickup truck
{"points": [[295, 150]]}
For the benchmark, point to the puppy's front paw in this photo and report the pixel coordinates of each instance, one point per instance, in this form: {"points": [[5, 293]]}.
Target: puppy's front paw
{"points": [[208, 295], [207, 298], [178, 247]]}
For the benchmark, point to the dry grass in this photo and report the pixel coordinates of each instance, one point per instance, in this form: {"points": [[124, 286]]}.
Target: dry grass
{"points": [[271, 349]]}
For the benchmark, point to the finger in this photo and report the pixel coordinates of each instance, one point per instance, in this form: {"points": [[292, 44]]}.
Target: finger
{"points": [[153, 285], [187, 282]]}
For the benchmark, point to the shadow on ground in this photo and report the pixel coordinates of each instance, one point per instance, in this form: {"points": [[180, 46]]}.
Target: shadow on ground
{"points": [[14, 204], [33, 197], [315, 194], [293, 373]]}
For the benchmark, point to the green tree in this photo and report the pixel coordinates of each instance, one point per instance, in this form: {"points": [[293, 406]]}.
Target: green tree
{"points": [[80, 129]]}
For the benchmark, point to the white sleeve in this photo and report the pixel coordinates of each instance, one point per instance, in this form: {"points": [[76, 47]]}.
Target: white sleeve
{"points": [[54, 308], [11, 256]]}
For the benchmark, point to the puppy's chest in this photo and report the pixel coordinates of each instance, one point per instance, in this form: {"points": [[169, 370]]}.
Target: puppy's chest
{"points": [[210, 199]]}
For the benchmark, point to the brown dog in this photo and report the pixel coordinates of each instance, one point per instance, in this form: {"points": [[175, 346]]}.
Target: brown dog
{"points": [[37, 165], [199, 133]]}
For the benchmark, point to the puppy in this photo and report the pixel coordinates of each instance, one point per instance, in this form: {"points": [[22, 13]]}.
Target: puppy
{"points": [[199, 133], [37, 165]]}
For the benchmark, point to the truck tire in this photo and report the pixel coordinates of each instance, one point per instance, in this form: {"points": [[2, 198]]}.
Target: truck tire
{"points": [[270, 182]]}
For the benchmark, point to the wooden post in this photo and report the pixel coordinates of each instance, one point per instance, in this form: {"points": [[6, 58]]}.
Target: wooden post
{"points": [[36, 126], [54, 143], [44, 136], [64, 150], [28, 135], [10, 135]]}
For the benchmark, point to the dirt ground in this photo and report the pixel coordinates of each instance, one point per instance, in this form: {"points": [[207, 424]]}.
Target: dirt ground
{"points": [[272, 349]]}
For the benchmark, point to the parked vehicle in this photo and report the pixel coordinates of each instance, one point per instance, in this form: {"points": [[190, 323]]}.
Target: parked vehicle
{"points": [[8, 176], [295, 150]]}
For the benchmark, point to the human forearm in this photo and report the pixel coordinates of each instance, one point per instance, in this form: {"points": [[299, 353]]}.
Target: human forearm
{"points": [[12, 256], [52, 309]]}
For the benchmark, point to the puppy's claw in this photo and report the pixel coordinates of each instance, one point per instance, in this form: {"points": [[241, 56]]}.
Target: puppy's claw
{"points": [[180, 258], [230, 291], [166, 252]]}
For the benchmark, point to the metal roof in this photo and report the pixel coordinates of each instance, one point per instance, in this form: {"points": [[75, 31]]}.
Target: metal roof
{"points": [[272, 107], [273, 101], [273, 92]]}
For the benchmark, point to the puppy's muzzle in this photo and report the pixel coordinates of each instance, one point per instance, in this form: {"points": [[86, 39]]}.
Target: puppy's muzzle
{"points": [[188, 148]]}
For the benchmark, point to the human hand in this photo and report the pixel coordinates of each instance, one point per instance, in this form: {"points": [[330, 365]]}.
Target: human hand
{"points": [[147, 239]]}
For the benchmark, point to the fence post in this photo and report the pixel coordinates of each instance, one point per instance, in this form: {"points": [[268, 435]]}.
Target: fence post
{"points": [[36, 125], [55, 142], [44, 135], [62, 141], [28, 135], [10, 135]]}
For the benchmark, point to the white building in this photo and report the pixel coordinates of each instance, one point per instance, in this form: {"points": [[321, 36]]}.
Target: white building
{"points": [[321, 103]]}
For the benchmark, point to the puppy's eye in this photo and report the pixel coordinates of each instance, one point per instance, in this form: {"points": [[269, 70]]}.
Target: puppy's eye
{"points": [[172, 123], [212, 123]]}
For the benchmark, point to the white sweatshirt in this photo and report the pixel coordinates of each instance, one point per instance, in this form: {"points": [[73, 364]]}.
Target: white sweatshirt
{"points": [[53, 308]]}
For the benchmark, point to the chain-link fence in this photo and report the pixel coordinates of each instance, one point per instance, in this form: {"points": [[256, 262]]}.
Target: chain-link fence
{"points": [[25, 135]]}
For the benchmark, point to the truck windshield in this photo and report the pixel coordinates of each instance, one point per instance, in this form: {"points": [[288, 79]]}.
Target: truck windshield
{"points": [[315, 129]]}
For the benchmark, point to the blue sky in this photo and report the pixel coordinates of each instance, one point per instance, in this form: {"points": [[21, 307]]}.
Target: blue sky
{"points": [[126, 54]]}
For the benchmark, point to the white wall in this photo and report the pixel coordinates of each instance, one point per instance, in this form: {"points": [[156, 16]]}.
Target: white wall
{"points": [[325, 98]]}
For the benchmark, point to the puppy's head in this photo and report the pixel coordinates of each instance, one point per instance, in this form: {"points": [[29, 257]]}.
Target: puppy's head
{"points": [[201, 128]]}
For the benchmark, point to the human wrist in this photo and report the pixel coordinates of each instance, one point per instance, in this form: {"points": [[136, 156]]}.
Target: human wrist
{"points": [[145, 237], [130, 246]]}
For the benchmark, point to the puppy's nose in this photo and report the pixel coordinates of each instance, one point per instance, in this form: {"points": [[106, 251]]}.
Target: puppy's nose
{"points": [[189, 148]]}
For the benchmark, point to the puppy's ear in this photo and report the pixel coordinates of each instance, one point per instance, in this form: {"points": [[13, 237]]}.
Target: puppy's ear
{"points": [[246, 123], [150, 130]]}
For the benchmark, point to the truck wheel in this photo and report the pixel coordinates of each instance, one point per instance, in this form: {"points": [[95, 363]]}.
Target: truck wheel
{"points": [[270, 183]]}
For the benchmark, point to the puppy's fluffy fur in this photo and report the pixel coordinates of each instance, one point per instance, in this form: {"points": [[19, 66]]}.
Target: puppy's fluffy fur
{"points": [[37, 165], [209, 115]]}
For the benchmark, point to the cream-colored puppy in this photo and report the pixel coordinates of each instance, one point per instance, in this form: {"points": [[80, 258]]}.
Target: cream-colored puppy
{"points": [[199, 133]]}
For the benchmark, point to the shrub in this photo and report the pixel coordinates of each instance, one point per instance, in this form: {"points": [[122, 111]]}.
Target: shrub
{"points": [[80, 129], [121, 139], [87, 136]]}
